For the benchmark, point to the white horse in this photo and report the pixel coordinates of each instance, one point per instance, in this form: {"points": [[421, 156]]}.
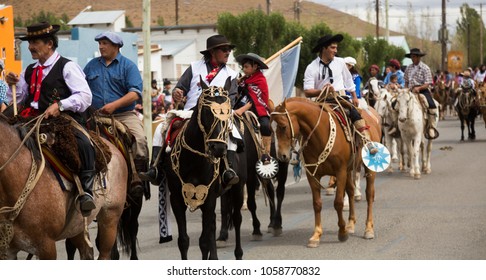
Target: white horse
{"points": [[411, 123], [384, 108]]}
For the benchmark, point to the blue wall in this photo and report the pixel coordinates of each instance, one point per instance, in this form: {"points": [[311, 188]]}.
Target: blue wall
{"points": [[82, 48]]}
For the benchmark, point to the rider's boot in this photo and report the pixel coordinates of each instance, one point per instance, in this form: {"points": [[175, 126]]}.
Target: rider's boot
{"points": [[86, 201], [361, 126], [137, 187], [229, 175], [432, 123], [267, 145], [153, 174]]}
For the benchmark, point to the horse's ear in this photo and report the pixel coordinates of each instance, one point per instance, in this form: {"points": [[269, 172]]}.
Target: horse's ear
{"points": [[227, 84], [202, 83]]}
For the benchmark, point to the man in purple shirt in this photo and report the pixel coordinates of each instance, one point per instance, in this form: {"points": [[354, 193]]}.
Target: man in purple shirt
{"points": [[51, 85]]}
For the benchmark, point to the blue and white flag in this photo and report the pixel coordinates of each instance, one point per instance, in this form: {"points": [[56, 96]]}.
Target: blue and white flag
{"points": [[281, 74]]}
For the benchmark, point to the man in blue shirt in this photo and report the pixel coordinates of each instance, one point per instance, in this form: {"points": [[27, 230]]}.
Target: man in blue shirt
{"points": [[116, 85]]}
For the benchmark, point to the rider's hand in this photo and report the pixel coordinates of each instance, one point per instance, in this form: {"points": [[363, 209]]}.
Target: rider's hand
{"points": [[12, 78], [355, 101], [108, 109], [52, 111], [177, 95]]}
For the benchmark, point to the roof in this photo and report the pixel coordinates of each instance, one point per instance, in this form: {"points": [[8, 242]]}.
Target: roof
{"points": [[98, 17], [173, 47]]}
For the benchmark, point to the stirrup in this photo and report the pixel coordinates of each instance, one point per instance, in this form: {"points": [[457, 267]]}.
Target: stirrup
{"points": [[230, 177]]}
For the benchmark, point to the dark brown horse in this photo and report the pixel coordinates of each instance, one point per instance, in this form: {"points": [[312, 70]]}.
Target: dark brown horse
{"points": [[441, 94], [326, 152], [35, 212], [467, 108]]}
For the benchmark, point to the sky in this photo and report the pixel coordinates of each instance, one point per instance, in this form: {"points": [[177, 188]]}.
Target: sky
{"points": [[397, 11]]}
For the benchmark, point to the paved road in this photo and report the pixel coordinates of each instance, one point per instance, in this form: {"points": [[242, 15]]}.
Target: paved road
{"points": [[437, 217]]}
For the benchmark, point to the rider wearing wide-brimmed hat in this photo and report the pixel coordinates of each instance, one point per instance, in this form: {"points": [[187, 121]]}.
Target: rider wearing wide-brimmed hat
{"points": [[213, 71], [418, 78], [328, 69], [54, 84]]}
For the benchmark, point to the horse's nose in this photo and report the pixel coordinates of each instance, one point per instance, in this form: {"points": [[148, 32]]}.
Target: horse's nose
{"points": [[217, 149], [402, 119], [283, 157]]}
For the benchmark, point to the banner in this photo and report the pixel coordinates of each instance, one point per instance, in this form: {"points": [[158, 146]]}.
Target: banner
{"points": [[281, 74], [454, 61]]}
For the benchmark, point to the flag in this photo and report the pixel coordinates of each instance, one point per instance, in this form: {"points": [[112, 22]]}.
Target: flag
{"points": [[281, 74]]}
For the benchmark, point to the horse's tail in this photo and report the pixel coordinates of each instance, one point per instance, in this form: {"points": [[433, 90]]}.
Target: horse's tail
{"points": [[227, 210], [128, 225]]}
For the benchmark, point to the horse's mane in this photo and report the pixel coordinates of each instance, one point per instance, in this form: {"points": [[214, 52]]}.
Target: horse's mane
{"points": [[21, 131]]}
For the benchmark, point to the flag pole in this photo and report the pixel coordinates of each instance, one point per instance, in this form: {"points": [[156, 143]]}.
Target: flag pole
{"points": [[295, 42]]}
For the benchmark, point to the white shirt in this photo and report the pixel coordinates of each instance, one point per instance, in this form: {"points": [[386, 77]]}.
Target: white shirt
{"points": [[342, 78]]}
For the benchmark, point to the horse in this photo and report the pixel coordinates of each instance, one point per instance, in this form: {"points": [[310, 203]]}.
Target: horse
{"points": [[482, 102], [411, 123], [384, 108], [326, 151], [467, 110], [37, 212], [245, 168], [441, 95], [192, 167]]}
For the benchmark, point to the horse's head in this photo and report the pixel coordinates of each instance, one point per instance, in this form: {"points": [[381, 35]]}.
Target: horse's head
{"points": [[374, 88], [404, 99], [214, 117], [285, 131]]}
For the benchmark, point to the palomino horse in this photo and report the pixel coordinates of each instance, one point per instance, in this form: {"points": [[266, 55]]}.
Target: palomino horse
{"points": [[326, 151], [467, 110], [192, 167], [482, 102], [411, 123], [246, 171], [35, 216]]}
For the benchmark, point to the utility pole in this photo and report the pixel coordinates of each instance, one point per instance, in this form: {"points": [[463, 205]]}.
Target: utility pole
{"points": [[147, 103], [177, 11], [377, 19], [387, 31], [297, 10], [443, 36], [269, 2]]}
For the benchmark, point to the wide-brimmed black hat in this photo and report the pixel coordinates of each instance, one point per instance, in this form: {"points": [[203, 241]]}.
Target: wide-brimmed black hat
{"points": [[326, 40], [253, 57], [216, 41], [40, 30], [415, 51]]}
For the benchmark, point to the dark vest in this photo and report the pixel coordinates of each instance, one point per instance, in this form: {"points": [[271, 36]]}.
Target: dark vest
{"points": [[53, 88]]}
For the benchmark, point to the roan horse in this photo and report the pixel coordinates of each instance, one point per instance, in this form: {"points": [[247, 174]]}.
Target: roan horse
{"points": [[192, 167], [411, 123], [35, 216], [326, 151]]}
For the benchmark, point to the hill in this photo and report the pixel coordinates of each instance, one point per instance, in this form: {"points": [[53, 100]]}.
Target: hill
{"points": [[200, 12]]}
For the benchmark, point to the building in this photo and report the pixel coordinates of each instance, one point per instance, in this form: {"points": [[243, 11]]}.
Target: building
{"points": [[103, 20], [9, 47]]}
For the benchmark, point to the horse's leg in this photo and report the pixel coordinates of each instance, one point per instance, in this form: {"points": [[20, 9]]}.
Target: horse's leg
{"points": [[350, 188], [70, 249], [237, 197], [426, 167], [370, 198], [207, 239], [344, 181], [317, 204], [251, 202], [268, 186], [226, 211], [473, 131], [282, 179], [415, 170], [85, 251], [461, 118], [179, 210], [107, 231]]}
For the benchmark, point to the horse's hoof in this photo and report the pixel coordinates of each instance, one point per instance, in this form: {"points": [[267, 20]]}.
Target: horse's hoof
{"points": [[313, 243], [277, 232], [244, 207], [256, 237], [357, 198], [427, 171], [369, 234], [395, 160], [343, 237], [416, 176], [221, 244], [350, 229]]}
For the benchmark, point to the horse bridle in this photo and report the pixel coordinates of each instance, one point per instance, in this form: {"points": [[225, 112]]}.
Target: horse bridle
{"points": [[293, 139]]}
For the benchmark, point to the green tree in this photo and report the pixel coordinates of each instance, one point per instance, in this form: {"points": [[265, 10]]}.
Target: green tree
{"points": [[128, 22], [468, 32], [378, 52], [49, 17], [160, 21]]}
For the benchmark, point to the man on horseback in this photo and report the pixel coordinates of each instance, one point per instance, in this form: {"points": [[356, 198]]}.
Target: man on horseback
{"points": [[117, 85], [328, 69], [51, 85], [418, 77], [213, 71]]}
